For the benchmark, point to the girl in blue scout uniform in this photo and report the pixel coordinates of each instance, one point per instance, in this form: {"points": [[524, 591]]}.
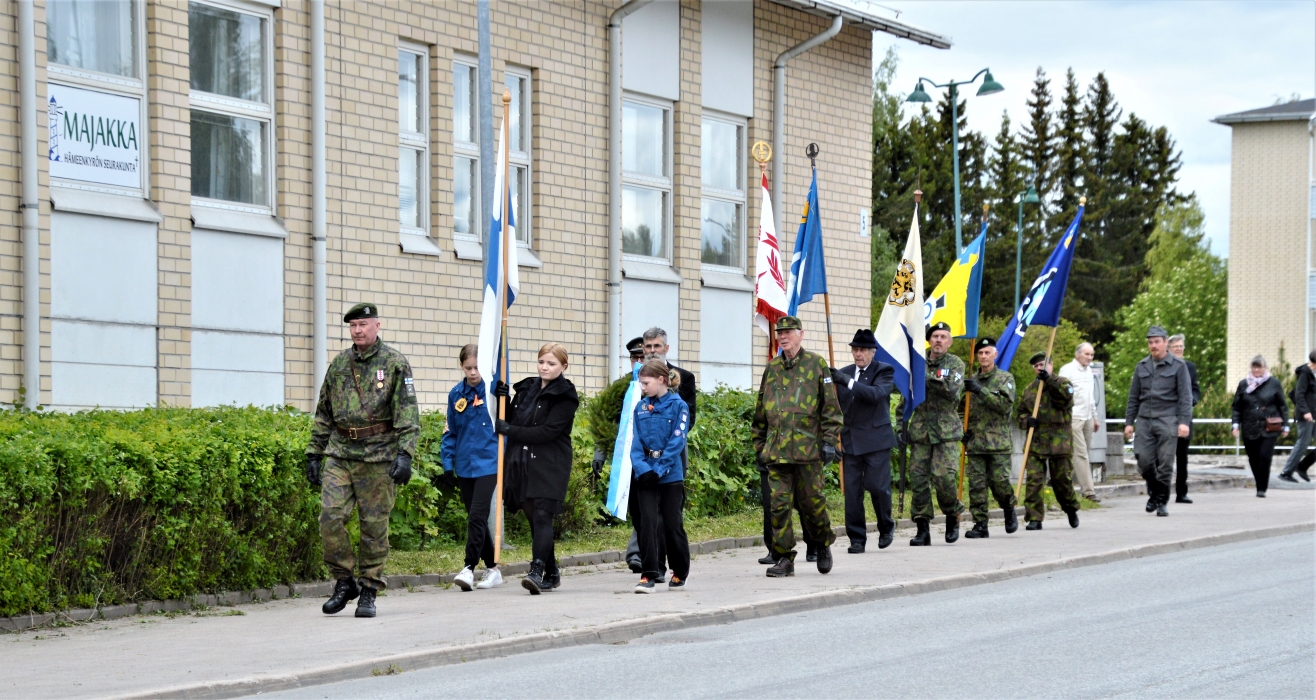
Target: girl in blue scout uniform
{"points": [[657, 498], [470, 463]]}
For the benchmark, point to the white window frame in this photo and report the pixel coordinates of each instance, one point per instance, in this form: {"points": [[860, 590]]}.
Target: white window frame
{"points": [[467, 149], [650, 182], [522, 158], [738, 197], [256, 111], [134, 87], [417, 141]]}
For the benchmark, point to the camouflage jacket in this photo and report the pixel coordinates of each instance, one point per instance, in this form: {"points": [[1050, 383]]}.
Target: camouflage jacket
{"points": [[1054, 436], [938, 418], [797, 411], [384, 379], [989, 413]]}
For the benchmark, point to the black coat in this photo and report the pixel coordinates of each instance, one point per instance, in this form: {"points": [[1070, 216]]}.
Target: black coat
{"points": [[1252, 410], [867, 409], [539, 444], [687, 390], [1304, 397]]}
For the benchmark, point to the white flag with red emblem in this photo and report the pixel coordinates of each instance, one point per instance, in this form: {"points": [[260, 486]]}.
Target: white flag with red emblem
{"points": [[769, 283]]}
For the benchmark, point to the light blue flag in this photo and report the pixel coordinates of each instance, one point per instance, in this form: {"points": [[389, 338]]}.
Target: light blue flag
{"points": [[1041, 305], [808, 265], [619, 479]]}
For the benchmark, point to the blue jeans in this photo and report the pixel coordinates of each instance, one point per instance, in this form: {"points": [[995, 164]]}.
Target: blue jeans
{"points": [[1299, 459]]}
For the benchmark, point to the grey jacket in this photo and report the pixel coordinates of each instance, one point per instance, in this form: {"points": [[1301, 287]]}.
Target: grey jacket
{"points": [[1160, 391]]}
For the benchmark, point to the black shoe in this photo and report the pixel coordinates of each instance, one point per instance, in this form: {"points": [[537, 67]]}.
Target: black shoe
{"points": [[1287, 477], [1033, 525], [768, 560], [923, 538], [1302, 474], [534, 581], [365, 605], [952, 528], [1151, 504], [344, 590], [825, 560], [978, 531], [856, 548], [811, 555], [1182, 499], [784, 567], [1261, 494], [1161, 512], [1073, 517], [636, 566], [1011, 521], [553, 580], [884, 540]]}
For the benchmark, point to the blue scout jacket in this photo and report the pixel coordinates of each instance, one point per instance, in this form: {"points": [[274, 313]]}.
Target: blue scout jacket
{"points": [[660, 426], [469, 443]]}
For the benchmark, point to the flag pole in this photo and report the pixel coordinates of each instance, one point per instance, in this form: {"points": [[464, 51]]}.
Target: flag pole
{"points": [[968, 398], [812, 152], [502, 371], [1037, 404]]}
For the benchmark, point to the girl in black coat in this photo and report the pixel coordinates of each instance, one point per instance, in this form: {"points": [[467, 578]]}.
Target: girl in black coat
{"points": [[1259, 397], [539, 457]]}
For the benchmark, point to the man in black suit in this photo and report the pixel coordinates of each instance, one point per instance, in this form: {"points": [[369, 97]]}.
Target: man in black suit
{"points": [[864, 390], [1181, 451]]}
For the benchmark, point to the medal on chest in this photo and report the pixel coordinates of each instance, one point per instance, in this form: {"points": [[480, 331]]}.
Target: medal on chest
{"points": [[460, 405], [379, 378]]}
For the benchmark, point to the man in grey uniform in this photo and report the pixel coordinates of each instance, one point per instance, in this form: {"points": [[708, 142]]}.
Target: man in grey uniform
{"points": [[1161, 408]]}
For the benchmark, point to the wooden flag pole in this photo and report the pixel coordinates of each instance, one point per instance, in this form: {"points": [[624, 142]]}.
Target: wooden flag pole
{"points": [[502, 371], [1037, 404], [964, 446]]}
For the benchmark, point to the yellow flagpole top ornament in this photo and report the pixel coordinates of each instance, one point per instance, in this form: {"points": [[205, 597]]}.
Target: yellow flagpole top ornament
{"points": [[1082, 201], [761, 151]]}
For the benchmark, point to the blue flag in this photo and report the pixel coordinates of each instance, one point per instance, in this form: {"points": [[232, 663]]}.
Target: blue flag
{"points": [[619, 479], [808, 268], [501, 283], [1041, 305]]}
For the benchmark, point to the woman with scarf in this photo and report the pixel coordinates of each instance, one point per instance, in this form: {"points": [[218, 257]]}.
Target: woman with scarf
{"points": [[1261, 416]]}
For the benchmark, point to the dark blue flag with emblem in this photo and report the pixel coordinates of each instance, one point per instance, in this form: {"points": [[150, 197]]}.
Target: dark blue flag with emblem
{"points": [[808, 267], [1041, 305]]}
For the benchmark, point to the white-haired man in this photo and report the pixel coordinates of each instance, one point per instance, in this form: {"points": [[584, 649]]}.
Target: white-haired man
{"points": [[1084, 420]]}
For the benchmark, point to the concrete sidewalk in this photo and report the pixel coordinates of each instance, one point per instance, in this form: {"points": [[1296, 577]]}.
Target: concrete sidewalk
{"points": [[288, 643]]}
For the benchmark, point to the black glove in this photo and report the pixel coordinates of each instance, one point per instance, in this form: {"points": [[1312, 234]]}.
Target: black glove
{"points": [[401, 469], [647, 479], [596, 466], [968, 435], [501, 426], [1043, 374], [1032, 422], [972, 386], [902, 437], [841, 378], [829, 454], [313, 465], [501, 389], [450, 479]]}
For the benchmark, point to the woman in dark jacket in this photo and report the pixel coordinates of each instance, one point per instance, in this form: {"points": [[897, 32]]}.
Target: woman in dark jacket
{"points": [[539, 456], [1259, 397]]}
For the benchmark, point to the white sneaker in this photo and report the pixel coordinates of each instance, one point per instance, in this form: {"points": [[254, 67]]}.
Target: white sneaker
{"points": [[465, 579], [492, 577]]}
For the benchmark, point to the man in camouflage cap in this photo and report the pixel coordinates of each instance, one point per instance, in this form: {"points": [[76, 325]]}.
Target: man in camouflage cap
{"points": [[987, 441], [796, 430], [362, 444], [1052, 442], [934, 435]]}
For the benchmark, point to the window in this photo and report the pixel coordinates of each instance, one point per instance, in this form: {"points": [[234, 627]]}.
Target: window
{"points": [[466, 149], [519, 120], [94, 35], [646, 179], [231, 112], [722, 155], [413, 141]]}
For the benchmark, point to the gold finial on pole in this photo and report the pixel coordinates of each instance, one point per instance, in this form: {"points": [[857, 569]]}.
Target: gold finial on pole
{"points": [[762, 152], [985, 207], [1082, 201], [507, 97]]}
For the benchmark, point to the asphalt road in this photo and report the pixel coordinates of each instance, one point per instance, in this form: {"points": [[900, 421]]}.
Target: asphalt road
{"points": [[1221, 622]]}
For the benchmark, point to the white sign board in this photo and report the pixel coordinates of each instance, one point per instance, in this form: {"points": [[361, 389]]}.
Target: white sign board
{"points": [[95, 136]]}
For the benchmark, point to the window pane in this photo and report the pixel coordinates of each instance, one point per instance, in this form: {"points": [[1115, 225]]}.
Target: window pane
{"points": [[228, 158], [520, 202], [642, 144], [410, 186], [642, 214], [721, 233], [410, 95], [463, 203], [93, 35], [720, 146], [228, 52], [516, 86], [463, 121]]}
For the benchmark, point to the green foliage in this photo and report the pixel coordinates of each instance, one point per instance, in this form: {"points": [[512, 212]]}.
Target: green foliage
{"points": [[1179, 237], [723, 477], [1068, 336], [602, 413]]}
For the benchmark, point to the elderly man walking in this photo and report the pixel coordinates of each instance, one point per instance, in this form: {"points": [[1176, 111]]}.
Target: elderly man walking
{"points": [[1181, 452], [1161, 408], [1084, 420]]}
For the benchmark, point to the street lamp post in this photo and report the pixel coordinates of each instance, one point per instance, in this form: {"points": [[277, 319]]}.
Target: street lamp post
{"points": [[989, 87], [1028, 197]]}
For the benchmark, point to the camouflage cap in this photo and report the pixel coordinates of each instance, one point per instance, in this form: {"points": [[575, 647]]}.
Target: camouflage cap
{"points": [[1157, 332], [362, 310], [1036, 358], [789, 323], [939, 326], [984, 343]]}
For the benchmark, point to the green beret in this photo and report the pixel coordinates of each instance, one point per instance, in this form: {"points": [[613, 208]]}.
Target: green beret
{"points": [[984, 343], [362, 310], [789, 323], [938, 326], [1036, 358]]}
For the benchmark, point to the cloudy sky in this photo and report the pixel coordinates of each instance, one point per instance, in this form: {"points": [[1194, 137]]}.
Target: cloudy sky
{"points": [[1177, 64]]}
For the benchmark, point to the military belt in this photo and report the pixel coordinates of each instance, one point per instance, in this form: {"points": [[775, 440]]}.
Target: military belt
{"points": [[358, 433], [653, 454]]}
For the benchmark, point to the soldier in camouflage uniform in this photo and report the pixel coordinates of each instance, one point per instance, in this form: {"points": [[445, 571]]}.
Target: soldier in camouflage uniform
{"points": [[934, 435], [987, 441], [1052, 442], [797, 429], [362, 444]]}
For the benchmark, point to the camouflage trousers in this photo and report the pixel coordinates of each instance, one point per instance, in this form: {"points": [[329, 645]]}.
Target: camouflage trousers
{"points": [[934, 467], [801, 486], [1061, 468], [989, 473], [367, 488]]}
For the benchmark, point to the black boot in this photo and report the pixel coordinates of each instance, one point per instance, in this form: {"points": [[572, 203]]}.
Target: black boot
{"points": [[952, 528], [552, 579], [1011, 520], [1034, 525], [824, 560], [979, 531], [1151, 504], [1161, 511], [365, 606], [922, 538], [767, 560], [811, 555], [534, 581], [784, 567], [1073, 517], [884, 539], [856, 548], [344, 590]]}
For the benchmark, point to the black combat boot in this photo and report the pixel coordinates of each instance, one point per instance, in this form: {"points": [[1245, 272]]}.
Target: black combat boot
{"points": [[552, 578], [824, 560], [811, 555], [365, 606], [952, 528], [1151, 504], [768, 560], [978, 531], [784, 567], [1011, 520], [534, 581], [1161, 511], [922, 538], [344, 590], [1034, 525], [856, 548], [1073, 517], [884, 539]]}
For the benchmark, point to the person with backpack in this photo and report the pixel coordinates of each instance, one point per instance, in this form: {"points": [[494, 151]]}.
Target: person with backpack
{"points": [[1304, 405]]}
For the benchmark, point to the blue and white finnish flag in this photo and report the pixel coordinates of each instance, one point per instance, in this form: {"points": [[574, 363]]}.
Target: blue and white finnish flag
{"points": [[808, 265], [619, 479], [500, 282], [1041, 305], [902, 329]]}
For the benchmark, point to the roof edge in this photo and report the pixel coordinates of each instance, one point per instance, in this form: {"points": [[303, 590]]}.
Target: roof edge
{"points": [[872, 22], [1228, 119]]}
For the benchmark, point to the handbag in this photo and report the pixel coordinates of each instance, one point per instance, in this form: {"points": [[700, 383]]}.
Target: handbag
{"points": [[1274, 424]]}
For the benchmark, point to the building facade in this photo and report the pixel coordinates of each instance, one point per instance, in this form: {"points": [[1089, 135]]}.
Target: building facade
{"points": [[1272, 256], [175, 200]]}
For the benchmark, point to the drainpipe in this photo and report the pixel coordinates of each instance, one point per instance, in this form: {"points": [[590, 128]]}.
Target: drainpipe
{"points": [[319, 229], [779, 115], [31, 206], [614, 183]]}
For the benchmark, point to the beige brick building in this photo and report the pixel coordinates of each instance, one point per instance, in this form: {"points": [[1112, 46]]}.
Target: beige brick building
{"points": [[1272, 256], [176, 208]]}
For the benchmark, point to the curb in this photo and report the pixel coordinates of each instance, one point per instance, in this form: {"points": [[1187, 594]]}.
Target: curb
{"points": [[626, 630]]}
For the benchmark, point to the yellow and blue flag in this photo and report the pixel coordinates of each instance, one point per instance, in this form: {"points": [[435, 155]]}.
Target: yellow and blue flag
{"points": [[955, 300], [808, 267], [1041, 305]]}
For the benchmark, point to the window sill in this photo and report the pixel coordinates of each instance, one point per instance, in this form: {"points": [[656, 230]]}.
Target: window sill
{"points": [[467, 248], [656, 271], [115, 206], [418, 243], [719, 279], [526, 257], [213, 218]]}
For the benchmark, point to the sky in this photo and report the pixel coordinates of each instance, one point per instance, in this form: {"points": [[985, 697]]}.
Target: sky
{"points": [[1176, 64]]}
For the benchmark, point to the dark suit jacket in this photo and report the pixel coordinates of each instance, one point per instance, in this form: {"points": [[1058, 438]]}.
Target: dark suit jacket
{"points": [[867, 409], [1192, 376], [687, 389]]}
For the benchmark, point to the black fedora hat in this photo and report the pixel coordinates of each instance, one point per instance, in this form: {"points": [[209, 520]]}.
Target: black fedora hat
{"points": [[863, 338]]}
